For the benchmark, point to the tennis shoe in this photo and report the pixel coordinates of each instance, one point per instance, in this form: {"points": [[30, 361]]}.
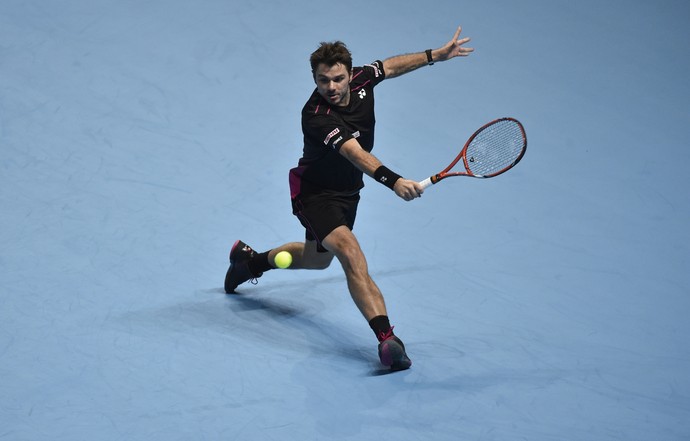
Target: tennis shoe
{"points": [[239, 272], [392, 352]]}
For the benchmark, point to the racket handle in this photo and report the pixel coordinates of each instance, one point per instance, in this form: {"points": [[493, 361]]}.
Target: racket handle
{"points": [[426, 183]]}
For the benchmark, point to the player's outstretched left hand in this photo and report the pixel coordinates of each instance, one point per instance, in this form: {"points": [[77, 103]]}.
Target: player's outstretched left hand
{"points": [[454, 48]]}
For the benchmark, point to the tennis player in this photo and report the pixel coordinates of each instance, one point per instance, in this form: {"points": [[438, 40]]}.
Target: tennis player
{"points": [[338, 127]]}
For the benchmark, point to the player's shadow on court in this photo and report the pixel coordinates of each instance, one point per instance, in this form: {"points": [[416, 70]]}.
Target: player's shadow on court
{"points": [[295, 326]]}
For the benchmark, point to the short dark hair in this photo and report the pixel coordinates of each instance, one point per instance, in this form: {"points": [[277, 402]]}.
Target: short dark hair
{"points": [[331, 54]]}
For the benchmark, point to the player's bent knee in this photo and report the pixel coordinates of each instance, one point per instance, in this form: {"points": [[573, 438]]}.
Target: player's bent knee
{"points": [[353, 261], [317, 261], [321, 264]]}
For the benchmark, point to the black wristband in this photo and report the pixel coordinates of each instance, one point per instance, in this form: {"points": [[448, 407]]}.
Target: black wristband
{"points": [[385, 176], [429, 59]]}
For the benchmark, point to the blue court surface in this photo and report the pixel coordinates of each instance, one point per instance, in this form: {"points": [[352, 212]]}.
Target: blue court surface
{"points": [[140, 139]]}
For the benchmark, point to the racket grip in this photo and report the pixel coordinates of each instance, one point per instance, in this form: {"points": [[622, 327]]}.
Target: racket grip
{"points": [[426, 183]]}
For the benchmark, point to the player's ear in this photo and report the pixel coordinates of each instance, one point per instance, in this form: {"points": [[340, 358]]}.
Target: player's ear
{"points": [[352, 72]]}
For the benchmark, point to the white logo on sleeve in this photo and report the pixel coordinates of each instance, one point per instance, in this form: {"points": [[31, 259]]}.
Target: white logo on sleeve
{"points": [[331, 135]]}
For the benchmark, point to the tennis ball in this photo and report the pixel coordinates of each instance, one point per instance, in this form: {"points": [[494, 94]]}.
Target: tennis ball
{"points": [[283, 259]]}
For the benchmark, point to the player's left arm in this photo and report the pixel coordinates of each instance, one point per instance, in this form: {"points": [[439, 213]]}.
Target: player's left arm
{"points": [[402, 64]]}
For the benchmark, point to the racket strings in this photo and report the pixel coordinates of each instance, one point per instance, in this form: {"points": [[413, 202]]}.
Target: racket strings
{"points": [[495, 148]]}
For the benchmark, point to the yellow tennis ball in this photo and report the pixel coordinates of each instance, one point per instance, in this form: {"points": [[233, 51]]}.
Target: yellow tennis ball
{"points": [[283, 259]]}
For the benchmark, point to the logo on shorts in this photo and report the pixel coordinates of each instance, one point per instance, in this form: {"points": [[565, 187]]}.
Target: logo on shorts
{"points": [[331, 135]]}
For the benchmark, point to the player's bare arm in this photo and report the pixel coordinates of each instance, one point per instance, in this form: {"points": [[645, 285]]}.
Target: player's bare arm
{"points": [[402, 64], [368, 163]]}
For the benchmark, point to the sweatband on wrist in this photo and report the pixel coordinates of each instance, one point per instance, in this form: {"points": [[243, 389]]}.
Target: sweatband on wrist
{"points": [[429, 58], [385, 176]]}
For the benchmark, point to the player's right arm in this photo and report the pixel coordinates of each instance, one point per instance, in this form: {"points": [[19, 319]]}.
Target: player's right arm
{"points": [[368, 164]]}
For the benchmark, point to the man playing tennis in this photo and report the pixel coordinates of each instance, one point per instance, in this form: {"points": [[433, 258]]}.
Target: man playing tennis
{"points": [[338, 127]]}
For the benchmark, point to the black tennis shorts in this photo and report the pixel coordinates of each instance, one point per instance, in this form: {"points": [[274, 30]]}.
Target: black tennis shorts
{"points": [[320, 214]]}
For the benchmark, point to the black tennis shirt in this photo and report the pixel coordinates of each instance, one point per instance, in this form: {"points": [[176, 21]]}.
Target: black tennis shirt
{"points": [[327, 127]]}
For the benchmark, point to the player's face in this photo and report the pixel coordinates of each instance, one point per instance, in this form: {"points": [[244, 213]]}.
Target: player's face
{"points": [[333, 83]]}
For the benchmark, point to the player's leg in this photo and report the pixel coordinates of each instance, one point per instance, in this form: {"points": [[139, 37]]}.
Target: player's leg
{"points": [[367, 296], [305, 255], [246, 264]]}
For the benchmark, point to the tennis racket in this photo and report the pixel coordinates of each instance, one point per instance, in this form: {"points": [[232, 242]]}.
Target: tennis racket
{"points": [[493, 149]]}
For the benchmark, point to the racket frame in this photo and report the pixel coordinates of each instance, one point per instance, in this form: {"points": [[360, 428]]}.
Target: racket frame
{"points": [[445, 173]]}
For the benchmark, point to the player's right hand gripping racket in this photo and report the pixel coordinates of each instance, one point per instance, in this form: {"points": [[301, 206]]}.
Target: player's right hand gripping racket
{"points": [[493, 149]]}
